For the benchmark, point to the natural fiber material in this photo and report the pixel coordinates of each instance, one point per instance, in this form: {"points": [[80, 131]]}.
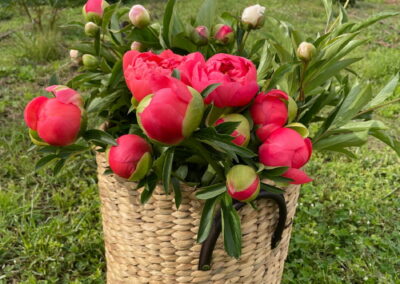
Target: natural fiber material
{"points": [[156, 244]]}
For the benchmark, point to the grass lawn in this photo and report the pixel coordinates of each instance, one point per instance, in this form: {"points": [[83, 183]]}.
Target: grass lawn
{"points": [[347, 228]]}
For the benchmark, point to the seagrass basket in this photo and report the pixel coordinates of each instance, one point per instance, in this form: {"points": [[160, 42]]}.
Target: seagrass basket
{"points": [[156, 244]]}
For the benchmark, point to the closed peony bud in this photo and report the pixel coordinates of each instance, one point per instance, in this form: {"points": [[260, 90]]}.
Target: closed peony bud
{"points": [[131, 159], [171, 113], [287, 148], [93, 10], [269, 112], [56, 121], [242, 132], [243, 183], [137, 46], [139, 16], [306, 51], [90, 61], [91, 29], [253, 17], [200, 35], [75, 56], [223, 34]]}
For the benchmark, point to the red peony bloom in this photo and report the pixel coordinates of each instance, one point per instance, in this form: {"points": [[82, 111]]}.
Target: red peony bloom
{"points": [[131, 159], [237, 76], [93, 10], [287, 148], [55, 121], [139, 68]]}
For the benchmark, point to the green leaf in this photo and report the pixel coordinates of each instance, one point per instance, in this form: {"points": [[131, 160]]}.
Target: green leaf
{"points": [[333, 70], [177, 192], [271, 188], [207, 219], [387, 139], [58, 166], [341, 141], [176, 74], [149, 186], [275, 171], [328, 10], [209, 89], [167, 168], [168, 15], [99, 136], [385, 92], [231, 230], [107, 15], [227, 127], [100, 103], [372, 20], [45, 160], [356, 126], [116, 75], [356, 99], [181, 172], [211, 191], [206, 14], [281, 72]]}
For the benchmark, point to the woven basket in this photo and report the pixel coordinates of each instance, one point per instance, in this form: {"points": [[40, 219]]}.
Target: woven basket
{"points": [[156, 244]]}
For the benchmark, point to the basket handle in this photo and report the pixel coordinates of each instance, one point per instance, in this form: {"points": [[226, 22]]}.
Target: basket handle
{"points": [[208, 245]]}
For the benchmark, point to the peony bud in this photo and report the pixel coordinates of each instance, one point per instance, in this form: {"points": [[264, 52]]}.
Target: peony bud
{"points": [[75, 56], [91, 29], [131, 159], [138, 46], [306, 51], [56, 121], [243, 183], [269, 112], [287, 148], [242, 132], [253, 17], [224, 34], [93, 10], [171, 113], [89, 61], [200, 35], [139, 16]]}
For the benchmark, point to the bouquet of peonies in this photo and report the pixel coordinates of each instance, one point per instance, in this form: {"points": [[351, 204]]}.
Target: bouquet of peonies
{"points": [[216, 103]]}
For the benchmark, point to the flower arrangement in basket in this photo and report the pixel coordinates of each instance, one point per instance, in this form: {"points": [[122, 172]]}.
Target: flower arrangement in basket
{"points": [[203, 104]]}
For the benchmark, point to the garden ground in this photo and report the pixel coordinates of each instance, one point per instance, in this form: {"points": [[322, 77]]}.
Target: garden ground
{"points": [[347, 228]]}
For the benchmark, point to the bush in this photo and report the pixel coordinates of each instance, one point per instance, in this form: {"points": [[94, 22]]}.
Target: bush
{"points": [[40, 47]]}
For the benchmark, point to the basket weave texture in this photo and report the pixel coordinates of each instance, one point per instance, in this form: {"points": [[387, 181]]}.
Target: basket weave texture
{"points": [[156, 244]]}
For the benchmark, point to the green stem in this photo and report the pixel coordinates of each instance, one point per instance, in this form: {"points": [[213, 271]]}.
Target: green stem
{"points": [[242, 44], [379, 106], [199, 148], [302, 72]]}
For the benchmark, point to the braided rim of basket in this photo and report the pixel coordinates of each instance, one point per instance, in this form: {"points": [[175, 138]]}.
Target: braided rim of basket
{"points": [[208, 245]]}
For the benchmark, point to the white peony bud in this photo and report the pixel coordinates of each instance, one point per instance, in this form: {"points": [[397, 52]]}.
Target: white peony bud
{"points": [[305, 51], [139, 16], [253, 17]]}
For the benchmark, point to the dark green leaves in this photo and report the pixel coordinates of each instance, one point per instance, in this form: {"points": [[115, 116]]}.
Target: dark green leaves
{"points": [[99, 136], [211, 191], [231, 228], [177, 192], [227, 127], [167, 168], [206, 219], [149, 185]]}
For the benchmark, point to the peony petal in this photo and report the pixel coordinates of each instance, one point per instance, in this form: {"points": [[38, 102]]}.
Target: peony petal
{"points": [[298, 176], [32, 110]]}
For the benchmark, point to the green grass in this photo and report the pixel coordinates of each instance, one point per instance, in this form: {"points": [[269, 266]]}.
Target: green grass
{"points": [[347, 225]]}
